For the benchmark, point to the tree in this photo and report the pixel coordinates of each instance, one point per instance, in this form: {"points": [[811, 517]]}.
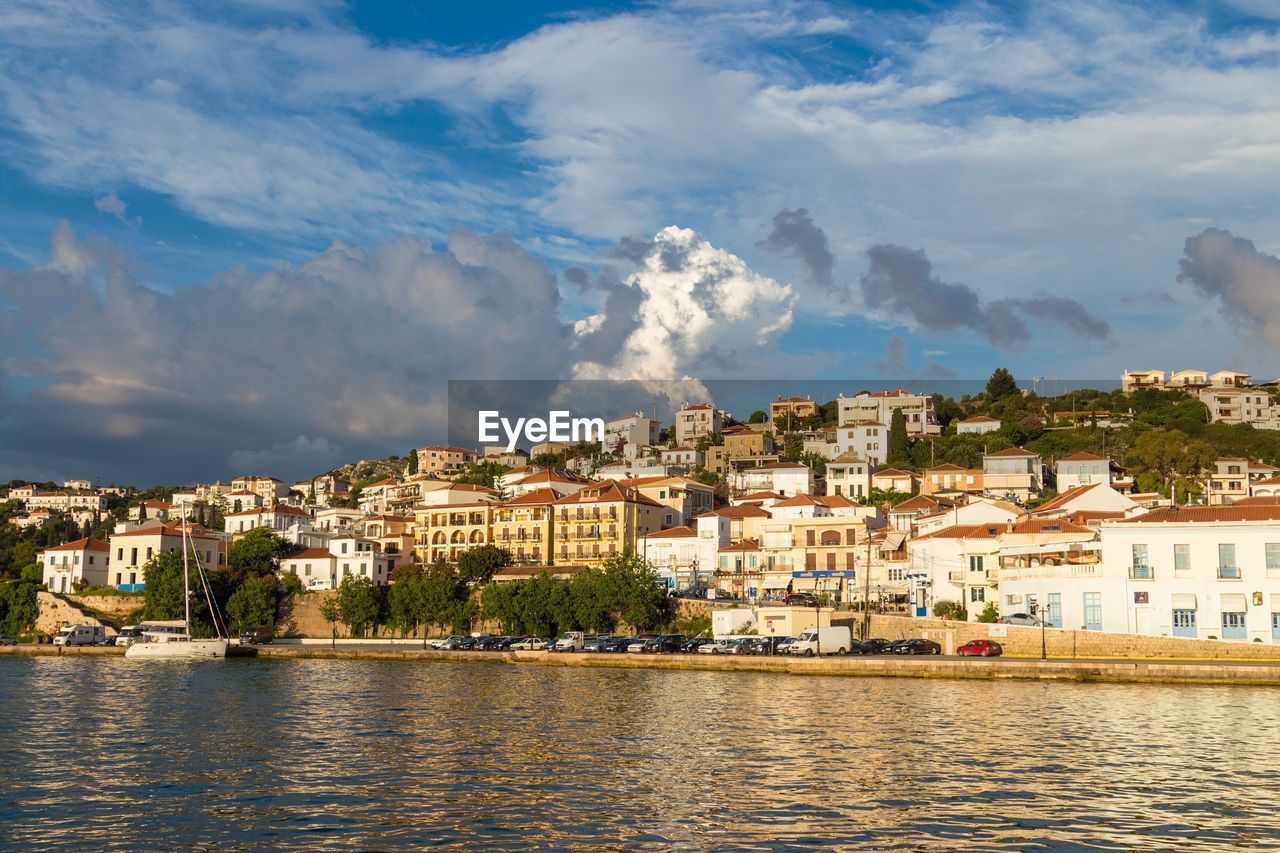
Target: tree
{"points": [[990, 614], [164, 590], [254, 603], [1001, 385], [258, 552], [950, 610], [478, 565], [358, 603], [19, 606], [898, 447], [331, 611], [412, 467], [759, 416]]}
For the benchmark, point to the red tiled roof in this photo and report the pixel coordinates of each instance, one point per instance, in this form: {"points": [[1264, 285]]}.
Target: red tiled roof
{"points": [[311, 554], [607, 492], [1084, 456], [1066, 497], [893, 472], [744, 545], [1208, 514], [82, 545], [919, 503], [980, 419], [1013, 451], [744, 511], [165, 530], [673, 533]]}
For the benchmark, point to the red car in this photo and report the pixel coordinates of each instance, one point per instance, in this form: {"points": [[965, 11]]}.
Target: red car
{"points": [[980, 648]]}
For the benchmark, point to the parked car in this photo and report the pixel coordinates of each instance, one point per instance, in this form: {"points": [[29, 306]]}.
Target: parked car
{"points": [[615, 645], [917, 646], [259, 636], [1022, 619], [635, 645], [766, 646], [570, 641], [980, 648], [596, 643], [874, 646], [457, 643], [8, 641], [829, 640], [531, 644], [715, 647], [802, 599], [79, 635], [492, 644], [665, 644], [128, 635], [693, 644]]}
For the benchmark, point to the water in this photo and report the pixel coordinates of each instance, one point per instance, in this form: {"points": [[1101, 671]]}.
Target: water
{"points": [[111, 754]]}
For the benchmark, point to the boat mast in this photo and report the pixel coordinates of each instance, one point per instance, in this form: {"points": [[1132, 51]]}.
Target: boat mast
{"points": [[186, 572]]}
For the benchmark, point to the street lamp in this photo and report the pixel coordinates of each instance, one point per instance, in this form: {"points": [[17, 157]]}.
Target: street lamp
{"points": [[1037, 610]]}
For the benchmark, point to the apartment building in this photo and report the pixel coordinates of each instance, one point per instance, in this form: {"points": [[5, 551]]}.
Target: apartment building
{"points": [[132, 549], [1137, 380], [743, 443], [682, 498], [977, 425], [270, 488], [281, 519], [785, 478], [1178, 571], [84, 561], [879, 406], [630, 431], [1240, 406], [602, 520], [948, 478], [319, 490], [444, 459], [849, 475], [1082, 469], [1013, 473], [868, 439], [444, 532], [60, 500], [695, 421], [523, 526], [345, 556], [1233, 477], [786, 413]]}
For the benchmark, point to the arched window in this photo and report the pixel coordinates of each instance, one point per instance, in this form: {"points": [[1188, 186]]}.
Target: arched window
{"points": [[458, 537], [438, 538], [831, 537]]}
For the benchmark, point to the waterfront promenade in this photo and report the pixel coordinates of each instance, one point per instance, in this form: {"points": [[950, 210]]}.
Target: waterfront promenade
{"points": [[1114, 671]]}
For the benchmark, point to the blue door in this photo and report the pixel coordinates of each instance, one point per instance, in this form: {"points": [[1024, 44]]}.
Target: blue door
{"points": [[1054, 608], [1275, 626], [1233, 626], [1184, 623], [1093, 611]]}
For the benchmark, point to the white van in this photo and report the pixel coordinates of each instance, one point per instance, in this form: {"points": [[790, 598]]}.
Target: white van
{"points": [[835, 640], [129, 635], [80, 635], [572, 641]]}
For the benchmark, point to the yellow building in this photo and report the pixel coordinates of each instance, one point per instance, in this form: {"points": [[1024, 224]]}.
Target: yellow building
{"points": [[743, 443], [785, 412], [444, 532], [522, 526], [601, 520]]}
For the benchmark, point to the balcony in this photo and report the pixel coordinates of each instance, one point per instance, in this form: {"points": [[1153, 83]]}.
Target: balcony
{"points": [[1228, 573], [1141, 573]]}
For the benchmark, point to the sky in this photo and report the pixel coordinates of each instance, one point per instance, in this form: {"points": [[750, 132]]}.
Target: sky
{"points": [[262, 236]]}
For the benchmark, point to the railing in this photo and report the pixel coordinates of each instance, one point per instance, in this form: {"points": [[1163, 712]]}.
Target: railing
{"points": [[1141, 573], [1229, 573]]}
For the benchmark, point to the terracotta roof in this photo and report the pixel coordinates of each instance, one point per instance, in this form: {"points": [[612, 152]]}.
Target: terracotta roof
{"points": [[607, 492], [698, 406], [945, 466], [1013, 451], [848, 456], [1059, 501], [893, 472], [164, 530], [801, 500], [81, 545], [1208, 514], [387, 482], [744, 511], [534, 498], [758, 496], [1257, 500], [840, 501], [158, 504], [1084, 456], [673, 533], [311, 554], [1088, 517], [744, 545], [980, 419], [919, 503]]}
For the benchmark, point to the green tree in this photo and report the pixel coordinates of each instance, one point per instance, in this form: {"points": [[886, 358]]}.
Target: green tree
{"points": [[331, 611], [759, 416], [898, 445], [358, 603], [1001, 385], [990, 614], [258, 552], [950, 610], [254, 603], [19, 607], [164, 590], [478, 565], [412, 467]]}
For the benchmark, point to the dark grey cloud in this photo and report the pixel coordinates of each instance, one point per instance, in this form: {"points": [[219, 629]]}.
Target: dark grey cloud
{"points": [[796, 235], [900, 283], [345, 356], [894, 360], [1244, 281]]}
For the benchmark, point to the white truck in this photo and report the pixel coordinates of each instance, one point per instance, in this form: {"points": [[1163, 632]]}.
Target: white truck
{"points": [[80, 635], [571, 641], [834, 640]]}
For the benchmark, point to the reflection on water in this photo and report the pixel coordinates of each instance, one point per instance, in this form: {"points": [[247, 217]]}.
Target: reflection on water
{"points": [[111, 754]]}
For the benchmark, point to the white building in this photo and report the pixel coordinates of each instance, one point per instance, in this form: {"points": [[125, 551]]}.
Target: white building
{"points": [[682, 559], [1082, 469], [868, 439], [693, 422], [1206, 572], [1240, 406], [345, 556], [1013, 473], [879, 406], [632, 430], [82, 561], [785, 478], [849, 475], [977, 425]]}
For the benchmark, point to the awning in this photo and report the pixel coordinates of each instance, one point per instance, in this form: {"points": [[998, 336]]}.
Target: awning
{"points": [[806, 584], [1232, 602], [1184, 601], [893, 541], [776, 582]]}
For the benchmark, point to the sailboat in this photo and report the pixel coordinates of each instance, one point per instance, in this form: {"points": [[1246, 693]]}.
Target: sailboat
{"points": [[171, 639]]}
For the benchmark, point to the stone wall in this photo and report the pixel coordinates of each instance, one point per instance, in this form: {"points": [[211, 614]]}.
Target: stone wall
{"points": [[55, 613], [1061, 643], [121, 607]]}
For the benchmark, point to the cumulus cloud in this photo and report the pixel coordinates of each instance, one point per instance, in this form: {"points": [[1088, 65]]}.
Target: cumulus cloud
{"points": [[698, 311], [351, 349], [1242, 280], [796, 235], [900, 284], [111, 204]]}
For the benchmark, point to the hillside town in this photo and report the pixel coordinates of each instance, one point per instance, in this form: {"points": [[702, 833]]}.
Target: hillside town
{"points": [[1153, 510]]}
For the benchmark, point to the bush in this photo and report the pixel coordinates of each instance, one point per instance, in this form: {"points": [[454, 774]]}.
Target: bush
{"points": [[950, 610], [990, 614]]}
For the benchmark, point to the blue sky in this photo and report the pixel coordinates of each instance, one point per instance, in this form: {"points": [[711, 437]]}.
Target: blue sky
{"points": [[259, 223]]}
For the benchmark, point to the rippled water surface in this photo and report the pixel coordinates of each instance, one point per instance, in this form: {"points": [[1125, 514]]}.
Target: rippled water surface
{"points": [[112, 754]]}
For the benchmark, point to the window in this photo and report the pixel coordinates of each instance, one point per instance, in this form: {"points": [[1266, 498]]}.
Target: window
{"points": [[895, 573], [306, 570], [1227, 561], [1140, 557], [1184, 623], [975, 564], [1273, 556], [1275, 625], [977, 593], [1182, 558], [1093, 611], [1233, 625]]}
